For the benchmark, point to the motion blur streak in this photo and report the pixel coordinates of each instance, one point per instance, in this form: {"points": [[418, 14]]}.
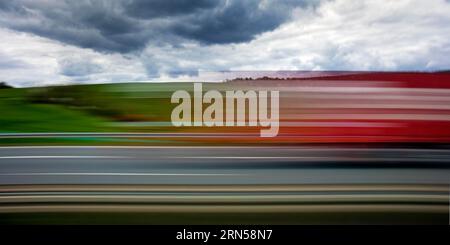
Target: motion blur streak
{"points": [[359, 148]]}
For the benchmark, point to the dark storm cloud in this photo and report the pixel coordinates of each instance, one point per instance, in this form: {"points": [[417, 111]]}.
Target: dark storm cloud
{"points": [[239, 21], [129, 25], [99, 25], [148, 9]]}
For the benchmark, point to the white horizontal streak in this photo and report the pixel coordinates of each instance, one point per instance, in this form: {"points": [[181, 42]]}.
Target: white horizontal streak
{"points": [[62, 157], [116, 174]]}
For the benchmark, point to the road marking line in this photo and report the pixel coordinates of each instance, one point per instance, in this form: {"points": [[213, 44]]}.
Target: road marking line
{"points": [[118, 174], [251, 157], [59, 157], [148, 147], [225, 147]]}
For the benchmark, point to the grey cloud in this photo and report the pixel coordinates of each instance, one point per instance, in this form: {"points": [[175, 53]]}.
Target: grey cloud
{"points": [[237, 21], [234, 23], [155, 66], [129, 25], [149, 9], [78, 68], [99, 25], [8, 62]]}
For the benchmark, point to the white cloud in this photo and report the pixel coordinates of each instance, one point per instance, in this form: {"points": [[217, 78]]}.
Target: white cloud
{"points": [[43, 60], [337, 35]]}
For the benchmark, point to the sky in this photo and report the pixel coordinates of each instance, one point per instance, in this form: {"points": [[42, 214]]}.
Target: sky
{"points": [[46, 42]]}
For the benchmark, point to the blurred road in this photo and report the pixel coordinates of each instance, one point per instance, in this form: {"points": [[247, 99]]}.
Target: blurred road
{"points": [[219, 184], [221, 165]]}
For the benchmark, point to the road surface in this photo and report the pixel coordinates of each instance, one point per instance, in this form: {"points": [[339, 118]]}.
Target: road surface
{"points": [[220, 184], [221, 165]]}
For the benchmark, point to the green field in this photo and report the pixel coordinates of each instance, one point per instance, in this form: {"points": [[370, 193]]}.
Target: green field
{"points": [[118, 108], [87, 108], [20, 114]]}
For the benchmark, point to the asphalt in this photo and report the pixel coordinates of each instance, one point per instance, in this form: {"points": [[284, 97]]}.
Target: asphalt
{"points": [[221, 165]]}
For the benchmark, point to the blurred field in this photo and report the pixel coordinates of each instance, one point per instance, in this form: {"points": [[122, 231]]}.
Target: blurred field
{"points": [[20, 114], [353, 148], [334, 108]]}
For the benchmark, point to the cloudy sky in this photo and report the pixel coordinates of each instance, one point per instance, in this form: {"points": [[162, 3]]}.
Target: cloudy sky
{"points": [[88, 41]]}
